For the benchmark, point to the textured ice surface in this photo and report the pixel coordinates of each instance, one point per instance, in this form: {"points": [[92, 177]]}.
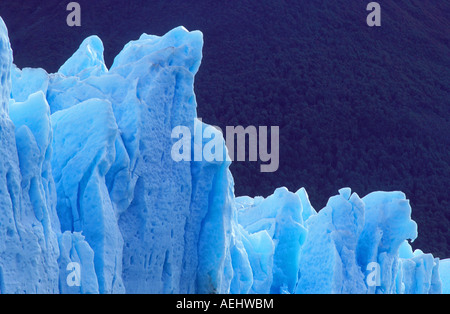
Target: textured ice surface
{"points": [[444, 271], [278, 221], [81, 161], [87, 179], [28, 243]]}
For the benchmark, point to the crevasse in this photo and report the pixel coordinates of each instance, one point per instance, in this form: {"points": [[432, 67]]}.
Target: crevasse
{"points": [[87, 178]]}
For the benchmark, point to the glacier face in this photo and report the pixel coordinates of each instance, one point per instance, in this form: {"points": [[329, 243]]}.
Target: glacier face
{"points": [[87, 179]]}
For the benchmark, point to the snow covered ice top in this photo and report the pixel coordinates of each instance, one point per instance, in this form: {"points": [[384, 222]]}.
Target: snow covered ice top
{"points": [[87, 178]]}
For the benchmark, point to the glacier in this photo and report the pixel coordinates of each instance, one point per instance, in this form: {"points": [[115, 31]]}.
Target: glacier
{"points": [[87, 179]]}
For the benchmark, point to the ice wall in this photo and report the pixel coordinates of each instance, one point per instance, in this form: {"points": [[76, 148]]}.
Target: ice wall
{"points": [[81, 161], [87, 180], [28, 244], [444, 270], [274, 231], [354, 245]]}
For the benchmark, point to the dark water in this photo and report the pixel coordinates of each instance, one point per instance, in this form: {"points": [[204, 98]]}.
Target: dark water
{"points": [[361, 107]]}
